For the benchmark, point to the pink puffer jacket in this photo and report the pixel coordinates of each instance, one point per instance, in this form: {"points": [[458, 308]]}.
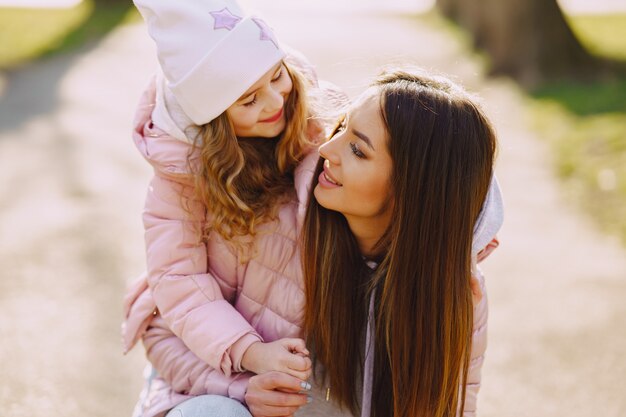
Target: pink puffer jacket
{"points": [[203, 293]]}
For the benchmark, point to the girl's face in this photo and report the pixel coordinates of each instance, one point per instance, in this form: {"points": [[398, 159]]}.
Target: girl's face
{"points": [[260, 112], [357, 167]]}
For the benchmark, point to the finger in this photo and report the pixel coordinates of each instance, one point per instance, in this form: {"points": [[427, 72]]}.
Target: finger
{"points": [[304, 375], [477, 293], [296, 346], [299, 363], [271, 411], [278, 380], [277, 399]]}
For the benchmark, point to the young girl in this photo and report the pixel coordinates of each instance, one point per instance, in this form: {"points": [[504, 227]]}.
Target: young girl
{"points": [[403, 206], [226, 128]]}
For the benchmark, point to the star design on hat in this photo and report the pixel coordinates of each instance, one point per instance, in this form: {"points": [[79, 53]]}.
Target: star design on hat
{"points": [[266, 31], [224, 19]]}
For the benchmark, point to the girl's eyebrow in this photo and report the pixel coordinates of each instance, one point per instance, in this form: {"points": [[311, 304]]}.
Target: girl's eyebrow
{"points": [[246, 95], [242, 98]]}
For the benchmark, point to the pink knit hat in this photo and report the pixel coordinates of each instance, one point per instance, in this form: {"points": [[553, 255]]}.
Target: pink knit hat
{"points": [[210, 51]]}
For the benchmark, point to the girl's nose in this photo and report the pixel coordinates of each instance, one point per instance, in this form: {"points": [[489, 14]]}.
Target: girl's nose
{"points": [[275, 100]]}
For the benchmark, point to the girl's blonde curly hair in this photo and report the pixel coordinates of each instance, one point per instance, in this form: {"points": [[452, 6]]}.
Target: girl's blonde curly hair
{"points": [[243, 181]]}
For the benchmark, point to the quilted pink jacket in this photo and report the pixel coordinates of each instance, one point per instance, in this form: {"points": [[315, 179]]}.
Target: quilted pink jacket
{"points": [[201, 292]]}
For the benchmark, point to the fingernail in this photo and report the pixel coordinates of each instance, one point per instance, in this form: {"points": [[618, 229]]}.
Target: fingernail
{"points": [[309, 399], [305, 385]]}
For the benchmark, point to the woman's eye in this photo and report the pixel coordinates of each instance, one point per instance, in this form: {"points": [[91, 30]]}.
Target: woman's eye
{"points": [[356, 151], [251, 102]]}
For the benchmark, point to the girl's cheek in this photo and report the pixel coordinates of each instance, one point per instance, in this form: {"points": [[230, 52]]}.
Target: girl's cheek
{"points": [[251, 121], [243, 119]]}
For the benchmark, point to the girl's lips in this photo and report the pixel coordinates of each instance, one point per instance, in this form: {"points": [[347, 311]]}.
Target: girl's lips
{"points": [[274, 118]]}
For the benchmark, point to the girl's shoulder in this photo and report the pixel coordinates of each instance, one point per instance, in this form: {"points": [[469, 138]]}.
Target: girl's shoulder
{"points": [[328, 104], [296, 59], [169, 155]]}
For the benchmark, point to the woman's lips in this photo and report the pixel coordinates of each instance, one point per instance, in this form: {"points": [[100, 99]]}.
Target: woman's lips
{"points": [[274, 118], [327, 180]]}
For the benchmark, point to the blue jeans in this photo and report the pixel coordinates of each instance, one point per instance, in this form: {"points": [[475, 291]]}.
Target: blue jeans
{"points": [[209, 406]]}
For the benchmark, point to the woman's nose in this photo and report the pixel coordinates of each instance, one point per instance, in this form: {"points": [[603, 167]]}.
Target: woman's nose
{"points": [[328, 151]]}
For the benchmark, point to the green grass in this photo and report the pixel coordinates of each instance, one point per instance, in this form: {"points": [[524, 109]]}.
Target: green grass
{"points": [[28, 34], [602, 34], [585, 124]]}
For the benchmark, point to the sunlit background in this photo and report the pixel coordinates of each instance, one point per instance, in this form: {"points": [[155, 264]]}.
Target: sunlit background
{"points": [[72, 186]]}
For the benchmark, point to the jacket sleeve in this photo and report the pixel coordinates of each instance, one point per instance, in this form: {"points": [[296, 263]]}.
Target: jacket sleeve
{"points": [[193, 299], [188, 294], [479, 346], [184, 371]]}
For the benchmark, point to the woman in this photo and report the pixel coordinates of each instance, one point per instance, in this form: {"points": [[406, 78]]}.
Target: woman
{"points": [[395, 322]]}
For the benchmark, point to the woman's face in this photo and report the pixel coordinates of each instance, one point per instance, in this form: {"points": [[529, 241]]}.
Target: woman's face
{"points": [[260, 112], [357, 167]]}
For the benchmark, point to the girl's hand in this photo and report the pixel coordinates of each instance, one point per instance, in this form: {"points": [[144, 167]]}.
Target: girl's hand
{"points": [[477, 293], [276, 394], [285, 355]]}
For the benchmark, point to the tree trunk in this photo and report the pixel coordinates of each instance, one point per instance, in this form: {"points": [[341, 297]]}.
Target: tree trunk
{"points": [[526, 39]]}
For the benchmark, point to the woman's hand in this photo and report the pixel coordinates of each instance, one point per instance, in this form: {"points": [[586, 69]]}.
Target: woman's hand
{"points": [[276, 394]]}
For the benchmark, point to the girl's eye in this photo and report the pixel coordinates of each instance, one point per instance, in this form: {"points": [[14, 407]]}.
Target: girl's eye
{"points": [[280, 74], [251, 102], [356, 151]]}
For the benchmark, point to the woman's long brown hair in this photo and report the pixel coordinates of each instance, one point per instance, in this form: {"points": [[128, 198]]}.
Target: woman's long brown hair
{"points": [[442, 147]]}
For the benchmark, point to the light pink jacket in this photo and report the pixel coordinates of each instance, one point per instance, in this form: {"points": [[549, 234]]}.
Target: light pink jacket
{"points": [[200, 292]]}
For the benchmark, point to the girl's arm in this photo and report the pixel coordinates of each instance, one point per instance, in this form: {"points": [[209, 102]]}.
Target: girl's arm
{"points": [[189, 375], [192, 299], [183, 370]]}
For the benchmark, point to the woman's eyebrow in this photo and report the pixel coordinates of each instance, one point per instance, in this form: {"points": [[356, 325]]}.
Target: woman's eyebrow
{"points": [[364, 138]]}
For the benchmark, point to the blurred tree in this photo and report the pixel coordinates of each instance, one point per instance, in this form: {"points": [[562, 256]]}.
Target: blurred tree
{"points": [[526, 39]]}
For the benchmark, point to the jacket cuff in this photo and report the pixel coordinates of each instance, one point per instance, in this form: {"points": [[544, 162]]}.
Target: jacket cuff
{"points": [[237, 390], [238, 349], [486, 251]]}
